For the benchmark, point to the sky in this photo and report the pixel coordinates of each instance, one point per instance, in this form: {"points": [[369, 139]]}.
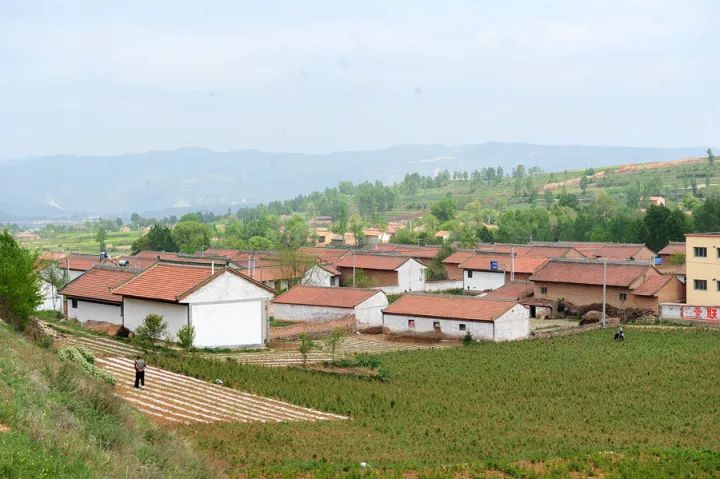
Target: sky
{"points": [[108, 77]]}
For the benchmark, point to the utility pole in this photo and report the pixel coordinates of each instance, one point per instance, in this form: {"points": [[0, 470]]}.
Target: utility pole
{"points": [[604, 291], [512, 263], [353, 268]]}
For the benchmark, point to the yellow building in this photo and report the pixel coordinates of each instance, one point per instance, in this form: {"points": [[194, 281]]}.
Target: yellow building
{"points": [[702, 259]]}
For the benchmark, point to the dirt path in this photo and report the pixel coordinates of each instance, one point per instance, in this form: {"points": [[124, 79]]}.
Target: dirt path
{"points": [[174, 398]]}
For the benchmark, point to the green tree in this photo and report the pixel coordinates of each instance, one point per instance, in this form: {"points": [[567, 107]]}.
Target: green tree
{"points": [[151, 331], [584, 182], [56, 277], [186, 337], [295, 232], [305, 347], [159, 238], [444, 210], [436, 269], [706, 216], [333, 341], [191, 236], [101, 238], [19, 282], [710, 156]]}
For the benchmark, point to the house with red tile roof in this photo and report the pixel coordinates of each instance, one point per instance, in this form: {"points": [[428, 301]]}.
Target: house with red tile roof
{"points": [[313, 303], [226, 308], [90, 297], [452, 263], [487, 271], [630, 284], [76, 264], [322, 274], [455, 316], [392, 273]]}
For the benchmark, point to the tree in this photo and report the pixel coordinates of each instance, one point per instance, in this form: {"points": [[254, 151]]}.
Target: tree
{"points": [[186, 337], [306, 346], [334, 340], [584, 183], [444, 210], [159, 238], [191, 236], [294, 265], [664, 226], [151, 331], [436, 269], [707, 215], [710, 156], [295, 232], [19, 282], [101, 238]]}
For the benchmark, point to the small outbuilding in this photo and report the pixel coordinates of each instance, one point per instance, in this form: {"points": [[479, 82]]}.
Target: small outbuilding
{"points": [[89, 297], [455, 316], [314, 303], [226, 308]]}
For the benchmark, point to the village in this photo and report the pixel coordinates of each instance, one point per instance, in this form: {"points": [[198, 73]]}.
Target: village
{"points": [[493, 292]]}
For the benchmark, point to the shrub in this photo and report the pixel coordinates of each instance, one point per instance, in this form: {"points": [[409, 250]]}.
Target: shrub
{"points": [[186, 337], [306, 345], [85, 360], [467, 339], [334, 340], [151, 331]]}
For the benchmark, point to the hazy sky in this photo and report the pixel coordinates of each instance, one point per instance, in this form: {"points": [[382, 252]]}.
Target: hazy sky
{"points": [[93, 76]]}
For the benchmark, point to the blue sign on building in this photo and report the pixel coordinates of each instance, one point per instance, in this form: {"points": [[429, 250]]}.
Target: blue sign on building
{"points": [[658, 260], [493, 265]]}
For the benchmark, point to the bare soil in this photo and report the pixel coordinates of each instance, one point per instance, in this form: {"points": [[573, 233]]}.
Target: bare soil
{"points": [[4, 428]]}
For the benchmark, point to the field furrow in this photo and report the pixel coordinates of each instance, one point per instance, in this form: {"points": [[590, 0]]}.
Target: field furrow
{"points": [[177, 398]]}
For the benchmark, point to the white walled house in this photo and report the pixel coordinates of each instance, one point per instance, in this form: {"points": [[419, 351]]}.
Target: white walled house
{"points": [[391, 273], [226, 308], [89, 297], [455, 316], [486, 272], [322, 275], [316, 304]]}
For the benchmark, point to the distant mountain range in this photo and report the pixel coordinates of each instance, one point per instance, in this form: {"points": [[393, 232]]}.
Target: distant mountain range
{"points": [[173, 182]]}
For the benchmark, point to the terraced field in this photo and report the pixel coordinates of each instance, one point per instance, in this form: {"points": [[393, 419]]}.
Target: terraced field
{"points": [[97, 344], [171, 397]]}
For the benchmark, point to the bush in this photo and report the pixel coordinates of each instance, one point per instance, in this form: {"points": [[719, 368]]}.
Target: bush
{"points": [[85, 360], [467, 339], [186, 337], [151, 331]]}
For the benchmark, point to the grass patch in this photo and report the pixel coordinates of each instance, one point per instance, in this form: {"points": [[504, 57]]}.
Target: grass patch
{"points": [[654, 400], [75, 425]]}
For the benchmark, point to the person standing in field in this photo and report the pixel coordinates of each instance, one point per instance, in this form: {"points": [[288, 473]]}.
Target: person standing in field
{"points": [[140, 372]]}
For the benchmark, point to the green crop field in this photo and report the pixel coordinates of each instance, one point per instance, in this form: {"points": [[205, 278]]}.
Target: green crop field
{"points": [[575, 406], [82, 241]]}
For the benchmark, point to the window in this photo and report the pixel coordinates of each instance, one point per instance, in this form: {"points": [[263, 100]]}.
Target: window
{"points": [[718, 252], [411, 323], [718, 286], [700, 284], [436, 324], [74, 303], [543, 290], [623, 296], [700, 252], [469, 274], [422, 274], [463, 327]]}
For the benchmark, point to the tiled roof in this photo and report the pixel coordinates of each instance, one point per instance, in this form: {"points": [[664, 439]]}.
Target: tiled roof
{"points": [[458, 257], [711, 235], [673, 248], [512, 290], [522, 264], [409, 251], [329, 297], [136, 262], [155, 254], [590, 272], [652, 285], [609, 250], [97, 283], [545, 250], [376, 262], [79, 262], [326, 255], [167, 282], [448, 307], [241, 257], [271, 273], [330, 268]]}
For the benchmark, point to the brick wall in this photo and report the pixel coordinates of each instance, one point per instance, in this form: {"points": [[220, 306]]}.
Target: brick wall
{"points": [[378, 278], [582, 294]]}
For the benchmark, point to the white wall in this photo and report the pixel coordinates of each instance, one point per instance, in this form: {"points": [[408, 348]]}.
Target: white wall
{"points": [[369, 312], [483, 280], [49, 293], [316, 276], [514, 324], [448, 327], [443, 285], [228, 287], [89, 311], [301, 312], [411, 276], [136, 310], [228, 324]]}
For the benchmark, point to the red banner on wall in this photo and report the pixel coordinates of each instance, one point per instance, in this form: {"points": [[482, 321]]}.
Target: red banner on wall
{"points": [[705, 313]]}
